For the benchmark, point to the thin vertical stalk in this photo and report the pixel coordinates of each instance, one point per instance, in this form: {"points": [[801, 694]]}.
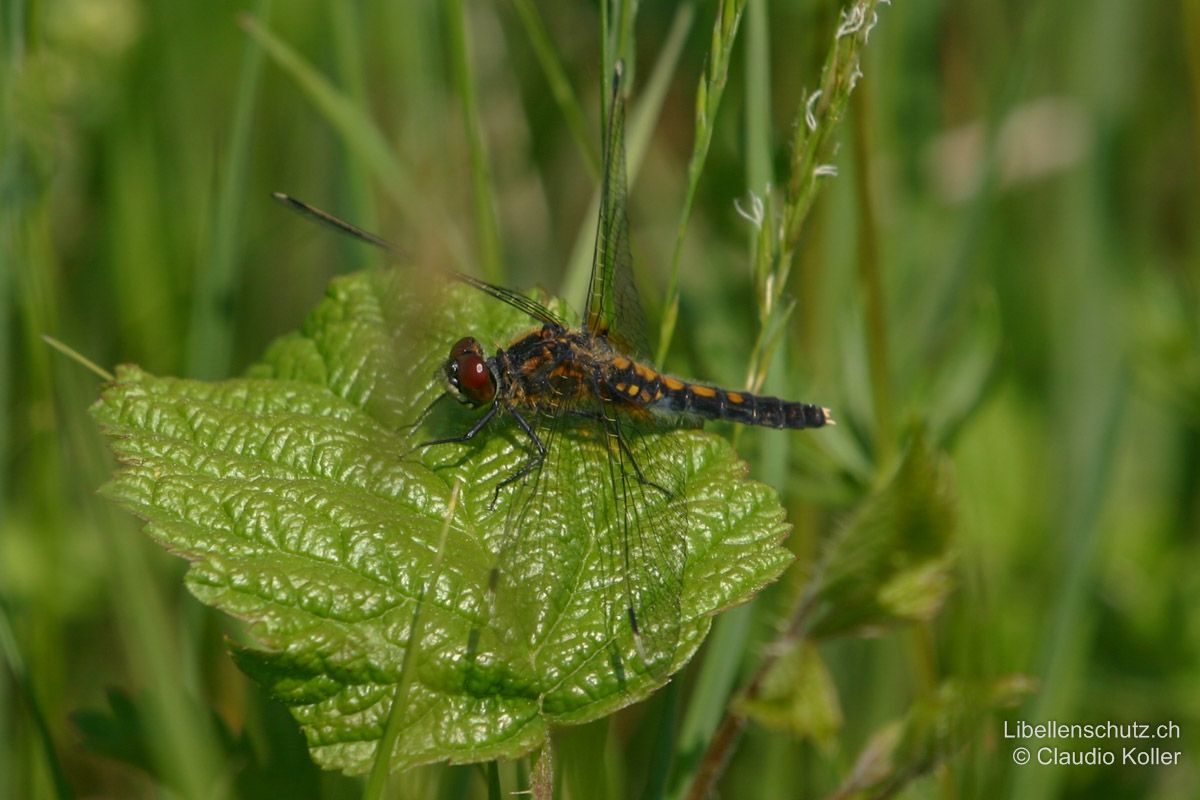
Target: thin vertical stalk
{"points": [[542, 774], [811, 143], [347, 37], [871, 280], [493, 781], [382, 765], [616, 42], [581, 754], [642, 118], [665, 743], [722, 660], [731, 632], [708, 100], [210, 338], [560, 86], [819, 117], [759, 174], [483, 192], [23, 681]]}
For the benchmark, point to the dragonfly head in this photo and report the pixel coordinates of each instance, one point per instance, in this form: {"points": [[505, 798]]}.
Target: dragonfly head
{"points": [[467, 371]]}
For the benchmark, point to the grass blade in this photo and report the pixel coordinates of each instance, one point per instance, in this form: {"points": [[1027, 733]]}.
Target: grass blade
{"points": [[722, 659], [78, 358], [358, 131], [642, 120], [210, 338], [871, 278], [348, 55], [708, 100], [382, 766], [21, 678], [560, 86], [483, 193]]}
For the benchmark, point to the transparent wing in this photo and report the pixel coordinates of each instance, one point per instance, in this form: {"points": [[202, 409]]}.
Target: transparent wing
{"points": [[649, 509], [613, 307], [591, 564]]}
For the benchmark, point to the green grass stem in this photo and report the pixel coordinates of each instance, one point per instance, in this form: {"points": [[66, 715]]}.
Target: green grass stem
{"points": [[707, 704], [359, 132], [483, 193], [580, 755], [23, 682], [78, 358], [381, 767], [642, 119], [1008, 264], [210, 337], [662, 757], [869, 274], [812, 142], [708, 99], [560, 85], [347, 30]]}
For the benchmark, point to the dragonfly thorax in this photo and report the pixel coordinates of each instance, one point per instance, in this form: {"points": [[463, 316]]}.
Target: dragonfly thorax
{"points": [[470, 376]]}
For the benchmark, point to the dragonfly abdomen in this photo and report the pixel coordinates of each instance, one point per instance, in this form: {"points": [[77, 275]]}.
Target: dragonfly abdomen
{"points": [[639, 385]]}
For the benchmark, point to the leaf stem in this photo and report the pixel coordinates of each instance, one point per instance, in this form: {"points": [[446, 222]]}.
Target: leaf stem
{"points": [[542, 774]]}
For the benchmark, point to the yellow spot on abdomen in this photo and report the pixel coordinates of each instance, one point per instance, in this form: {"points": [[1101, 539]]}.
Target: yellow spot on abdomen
{"points": [[703, 391], [672, 384], [645, 372], [735, 398], [632, 391]]}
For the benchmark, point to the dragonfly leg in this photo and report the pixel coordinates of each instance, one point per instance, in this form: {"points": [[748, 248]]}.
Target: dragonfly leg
{"points": [[615, 425], [469, 435], [642, 479], [533, 463], [412, 426]]}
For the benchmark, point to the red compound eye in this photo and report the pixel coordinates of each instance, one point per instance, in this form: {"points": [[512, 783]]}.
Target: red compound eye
{"points": [[468, 372]]}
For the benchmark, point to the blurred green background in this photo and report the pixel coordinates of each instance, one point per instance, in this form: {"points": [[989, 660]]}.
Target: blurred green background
{"points": [[1023, 176]]}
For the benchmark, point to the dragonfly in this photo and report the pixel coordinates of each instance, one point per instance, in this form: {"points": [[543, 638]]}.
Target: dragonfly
{"points": [[592, 412]]}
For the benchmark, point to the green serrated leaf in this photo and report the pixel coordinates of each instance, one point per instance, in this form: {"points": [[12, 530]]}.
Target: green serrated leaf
{"points": [[297, 496], [798, 695], [939, 724], [893, 562]]}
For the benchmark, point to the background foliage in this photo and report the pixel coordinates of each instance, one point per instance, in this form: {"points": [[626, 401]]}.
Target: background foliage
{"points": [[1017, 183]]}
